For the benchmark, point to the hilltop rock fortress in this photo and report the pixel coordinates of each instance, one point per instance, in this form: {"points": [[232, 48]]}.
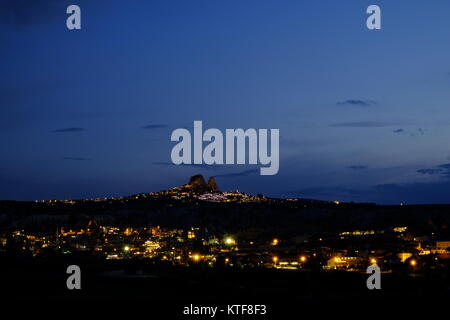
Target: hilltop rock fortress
{"points": [[198, 183], [212, 184]]}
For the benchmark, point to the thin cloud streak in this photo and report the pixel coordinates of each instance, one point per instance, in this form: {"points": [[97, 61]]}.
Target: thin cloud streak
{"points": [[155, 126], [363, 124], [357, 102], [77, 158], [72, 129]]}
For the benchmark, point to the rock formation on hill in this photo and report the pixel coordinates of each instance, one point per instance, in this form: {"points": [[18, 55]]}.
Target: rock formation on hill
{"points": [[198, 183], [212, 184]]}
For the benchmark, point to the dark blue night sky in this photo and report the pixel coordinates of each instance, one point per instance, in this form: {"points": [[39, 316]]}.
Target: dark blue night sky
{"points": [[363, 115]]}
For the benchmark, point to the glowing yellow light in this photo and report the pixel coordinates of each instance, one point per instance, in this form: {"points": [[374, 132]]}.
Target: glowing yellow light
{"points": [[413, 262], [337, 259], [230, 241], [126, 248], [227, 260], [275, 259], [191, 235], [373, 261], [302, 258], [275, 242], [196, 257], [404, 255]]}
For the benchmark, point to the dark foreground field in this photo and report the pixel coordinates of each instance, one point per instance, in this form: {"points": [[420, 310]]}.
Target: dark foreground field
{"points": [[161, 292]]}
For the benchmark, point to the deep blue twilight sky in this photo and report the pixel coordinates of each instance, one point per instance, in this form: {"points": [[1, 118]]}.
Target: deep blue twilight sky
{"points": [[363, 115]]}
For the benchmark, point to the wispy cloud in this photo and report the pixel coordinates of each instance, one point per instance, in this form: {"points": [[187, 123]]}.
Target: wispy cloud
{"points": [[155, 126], [442, 170], [357, 103], [204, 166], [238, 174], [362, 124], [358, 167], [216, 168], [398, 131], [77, 158], [419, 132], [71, 129], [429, 171]]}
